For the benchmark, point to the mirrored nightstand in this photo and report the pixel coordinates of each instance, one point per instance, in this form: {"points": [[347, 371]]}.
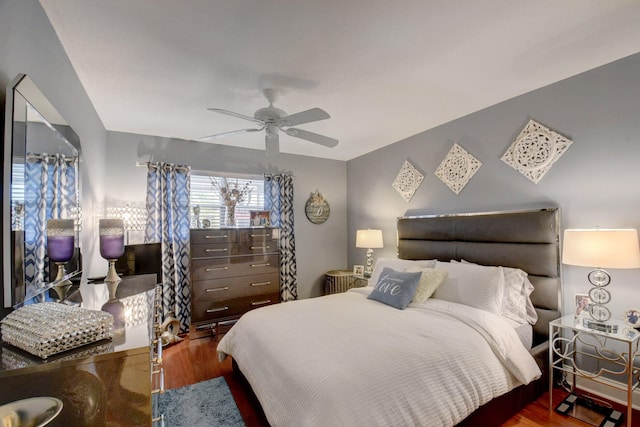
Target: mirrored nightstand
{"points": [[604, 357]]}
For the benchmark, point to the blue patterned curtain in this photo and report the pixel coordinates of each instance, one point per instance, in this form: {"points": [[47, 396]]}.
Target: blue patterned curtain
{"points": [[50, 191], [168, 223], [278, 197]]}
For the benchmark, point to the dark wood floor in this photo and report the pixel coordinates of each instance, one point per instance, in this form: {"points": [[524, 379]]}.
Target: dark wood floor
{"points": [[191, 361]]}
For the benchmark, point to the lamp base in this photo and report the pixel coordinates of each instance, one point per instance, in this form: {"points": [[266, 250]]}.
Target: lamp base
{"points": [[600, 326], [368, 269]]}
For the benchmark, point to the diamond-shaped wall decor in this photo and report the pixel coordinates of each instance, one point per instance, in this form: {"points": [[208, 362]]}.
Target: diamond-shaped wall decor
{"points": [[457, 168], [407, 181], [535, 150]]}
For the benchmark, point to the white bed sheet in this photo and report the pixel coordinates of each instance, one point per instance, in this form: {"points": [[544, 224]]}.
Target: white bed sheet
{"points": [[525, 333], [345, 360]]}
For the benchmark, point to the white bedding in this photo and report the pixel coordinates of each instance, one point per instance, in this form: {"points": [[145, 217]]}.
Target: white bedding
{"points": [[345, 360]]}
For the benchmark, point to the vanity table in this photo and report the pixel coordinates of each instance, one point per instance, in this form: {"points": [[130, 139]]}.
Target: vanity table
{"points": [[100, 384]]}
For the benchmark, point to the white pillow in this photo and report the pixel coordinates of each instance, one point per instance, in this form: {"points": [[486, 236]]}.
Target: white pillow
{"points": [[516, 303], [477, 286], [398, 265], [429, 282]]}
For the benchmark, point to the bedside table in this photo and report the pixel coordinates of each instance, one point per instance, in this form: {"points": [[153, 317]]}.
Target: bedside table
{"points": [[337, 281], [612, 353]]}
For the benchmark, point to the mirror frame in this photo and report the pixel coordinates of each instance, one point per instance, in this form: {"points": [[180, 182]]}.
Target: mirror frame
{"points": [[23, 86]]}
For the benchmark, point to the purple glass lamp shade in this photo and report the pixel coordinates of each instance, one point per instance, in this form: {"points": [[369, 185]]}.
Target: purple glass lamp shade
{"points": [[60, 239], [111, 238]]}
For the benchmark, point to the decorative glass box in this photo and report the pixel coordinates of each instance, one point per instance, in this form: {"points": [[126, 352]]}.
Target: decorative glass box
{"points": [[49, 328]]}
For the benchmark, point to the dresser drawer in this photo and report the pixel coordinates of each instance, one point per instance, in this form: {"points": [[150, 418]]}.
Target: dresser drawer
{"points": [[210, 250], [214, 235], [234, 287], [215, 268], [259, 236], [212, 310]]}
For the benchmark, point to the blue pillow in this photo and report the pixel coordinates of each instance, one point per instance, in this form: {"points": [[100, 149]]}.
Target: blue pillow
{"points": [[395, 288]]}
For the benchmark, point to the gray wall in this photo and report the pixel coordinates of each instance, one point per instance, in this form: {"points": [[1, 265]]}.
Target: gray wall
{"points": [[318, 247], [595, 183], [28, 45]]}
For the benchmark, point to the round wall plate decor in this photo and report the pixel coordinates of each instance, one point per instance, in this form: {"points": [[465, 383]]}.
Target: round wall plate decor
{"points": [[317, 208]]}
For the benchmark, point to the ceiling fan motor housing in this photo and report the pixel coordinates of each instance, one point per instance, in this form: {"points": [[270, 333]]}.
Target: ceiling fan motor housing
{"points": [[269, 114]]}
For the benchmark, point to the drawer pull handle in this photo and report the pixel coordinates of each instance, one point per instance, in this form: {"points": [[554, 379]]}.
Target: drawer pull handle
{"points": [[216, 237], [216, 268], [261, 284], [267, 301], [259, 235], [216, 250], [266, 264], [215, 310], [225, 288], [253, 248]]}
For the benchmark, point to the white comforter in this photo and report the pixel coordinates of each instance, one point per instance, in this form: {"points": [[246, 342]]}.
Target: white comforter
{"points": [[345, 360]]}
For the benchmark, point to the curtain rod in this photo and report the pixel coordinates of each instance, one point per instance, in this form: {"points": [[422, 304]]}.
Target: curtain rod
{"points": [[155, 165], [50, 157]]}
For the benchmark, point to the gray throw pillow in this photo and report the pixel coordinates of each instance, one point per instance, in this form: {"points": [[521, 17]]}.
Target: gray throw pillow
{"points": [[395, 288]]}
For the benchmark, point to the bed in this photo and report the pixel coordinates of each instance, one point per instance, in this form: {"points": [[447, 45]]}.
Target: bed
{"points": [[451, 359]]}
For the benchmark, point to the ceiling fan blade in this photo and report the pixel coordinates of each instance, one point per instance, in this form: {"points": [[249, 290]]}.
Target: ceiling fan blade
{"points": [[230, 133], [307, 116], [234, 114], [313, 137], [272, 145]]}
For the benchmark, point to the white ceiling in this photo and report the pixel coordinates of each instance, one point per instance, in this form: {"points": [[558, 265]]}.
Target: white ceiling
{"points": [[385, 70]]}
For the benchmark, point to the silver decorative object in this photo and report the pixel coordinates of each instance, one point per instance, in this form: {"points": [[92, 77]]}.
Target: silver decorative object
{"points": [[49, 328], [535, 150], [407, 181], [60, 248], [457, 168], [111, 232]]}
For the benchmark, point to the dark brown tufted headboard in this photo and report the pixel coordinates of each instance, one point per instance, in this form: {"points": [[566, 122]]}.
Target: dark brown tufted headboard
{"points": [[526, 239]]}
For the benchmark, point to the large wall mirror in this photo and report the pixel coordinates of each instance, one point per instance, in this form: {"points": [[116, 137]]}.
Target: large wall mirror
{"points": [[40, 182]]}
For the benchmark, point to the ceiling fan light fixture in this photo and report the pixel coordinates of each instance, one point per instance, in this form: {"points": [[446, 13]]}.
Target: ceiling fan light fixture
{"points": [[272, 146], [272, 130]]}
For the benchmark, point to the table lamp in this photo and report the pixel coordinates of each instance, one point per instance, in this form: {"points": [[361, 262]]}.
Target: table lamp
{"points": [[111, 248], [601, 248], [369, 239], [60, 248], [134, 218]]}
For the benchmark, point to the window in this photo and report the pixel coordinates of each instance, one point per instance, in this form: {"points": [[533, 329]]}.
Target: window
{"points": [[212, 208]]}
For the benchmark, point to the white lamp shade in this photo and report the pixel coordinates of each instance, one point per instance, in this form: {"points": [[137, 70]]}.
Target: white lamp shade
{"points": [[369, 239], [605, 248]]}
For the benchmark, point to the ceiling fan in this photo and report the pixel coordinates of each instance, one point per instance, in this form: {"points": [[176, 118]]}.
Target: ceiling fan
{"points": [[272, 120]]}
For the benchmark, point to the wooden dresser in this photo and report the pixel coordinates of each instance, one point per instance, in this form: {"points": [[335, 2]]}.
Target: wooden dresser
{"points": [[233, 270]]}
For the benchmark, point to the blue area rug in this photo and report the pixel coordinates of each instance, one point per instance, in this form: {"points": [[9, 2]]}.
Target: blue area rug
{"points": [[207, 403]]}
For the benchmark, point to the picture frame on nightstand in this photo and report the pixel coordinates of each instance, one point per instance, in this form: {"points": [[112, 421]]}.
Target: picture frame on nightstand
{"points": [[358, 270], [632, 317], [583, 305]]}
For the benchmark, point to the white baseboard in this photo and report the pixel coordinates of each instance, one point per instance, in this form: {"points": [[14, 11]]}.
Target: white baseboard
{"points": [[606, 392]]}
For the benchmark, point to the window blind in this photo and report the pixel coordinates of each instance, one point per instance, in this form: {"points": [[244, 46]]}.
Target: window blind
{"points": [[212, 208]]}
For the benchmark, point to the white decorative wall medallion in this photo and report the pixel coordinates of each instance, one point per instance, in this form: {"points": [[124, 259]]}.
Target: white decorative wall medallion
{"points": [[457, 168], [407, 181], [535, 150]]}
